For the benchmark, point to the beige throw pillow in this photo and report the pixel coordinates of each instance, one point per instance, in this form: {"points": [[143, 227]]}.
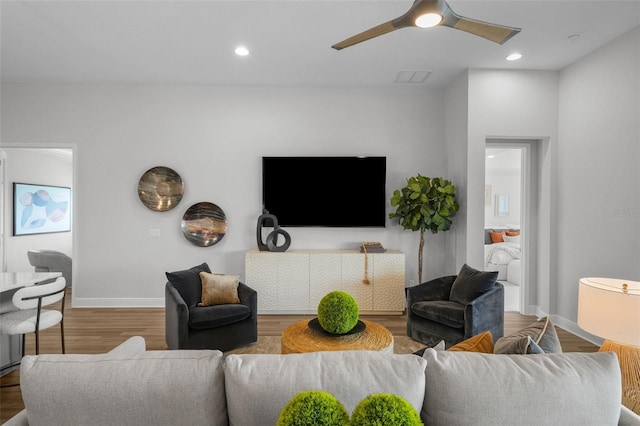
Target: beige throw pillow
{"points": [[538, 337], [219, 289]]}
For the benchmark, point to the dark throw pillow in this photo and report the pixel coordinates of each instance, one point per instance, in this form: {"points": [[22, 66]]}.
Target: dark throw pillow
{"points": [[188, 283], [471, 283]]}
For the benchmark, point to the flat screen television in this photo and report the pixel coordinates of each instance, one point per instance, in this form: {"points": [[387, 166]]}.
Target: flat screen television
{"points": [[325, 191]]}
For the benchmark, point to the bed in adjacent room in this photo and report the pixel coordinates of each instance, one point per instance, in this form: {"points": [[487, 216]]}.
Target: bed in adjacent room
{"points": [[502, 253]]}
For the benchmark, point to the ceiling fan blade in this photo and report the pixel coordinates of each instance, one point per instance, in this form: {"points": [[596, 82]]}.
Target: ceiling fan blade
{"points": [[494, 32], [406, 20], [376, 31]]}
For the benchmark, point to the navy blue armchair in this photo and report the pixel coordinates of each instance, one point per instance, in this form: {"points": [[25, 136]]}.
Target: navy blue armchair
{"points": [[437, 310]]}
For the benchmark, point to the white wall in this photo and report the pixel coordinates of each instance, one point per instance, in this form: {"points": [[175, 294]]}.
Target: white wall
{"points": [[37, 166], [587, 118], [456, 131], [513, 105], [213, 137], [598, 169]]}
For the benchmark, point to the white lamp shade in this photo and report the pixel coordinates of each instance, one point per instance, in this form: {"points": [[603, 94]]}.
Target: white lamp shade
{"points": [[607, 310]]}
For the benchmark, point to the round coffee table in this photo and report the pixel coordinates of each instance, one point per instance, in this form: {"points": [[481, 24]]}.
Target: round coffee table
{"points": [[299, 338]]}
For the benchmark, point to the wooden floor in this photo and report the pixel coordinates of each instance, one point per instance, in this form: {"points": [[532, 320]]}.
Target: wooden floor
{"points": [[89, 330]]}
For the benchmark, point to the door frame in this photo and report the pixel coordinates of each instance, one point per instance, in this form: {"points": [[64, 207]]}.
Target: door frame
{"points": [[529, 193], [5, 191]]}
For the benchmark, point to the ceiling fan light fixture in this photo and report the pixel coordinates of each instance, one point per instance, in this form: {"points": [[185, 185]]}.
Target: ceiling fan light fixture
{"points": [[428, 20], [241, 51]]}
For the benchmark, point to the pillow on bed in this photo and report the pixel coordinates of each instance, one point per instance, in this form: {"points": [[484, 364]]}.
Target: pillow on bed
{"points": [[511, 239], [497, 237]]}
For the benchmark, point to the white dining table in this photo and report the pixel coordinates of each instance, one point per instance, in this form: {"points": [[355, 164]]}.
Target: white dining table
{"points": [[15, 280]]}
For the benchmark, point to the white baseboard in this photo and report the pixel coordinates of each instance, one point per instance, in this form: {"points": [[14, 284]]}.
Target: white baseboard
{"points": [[573, 328], [117, 303], [565, 324]]}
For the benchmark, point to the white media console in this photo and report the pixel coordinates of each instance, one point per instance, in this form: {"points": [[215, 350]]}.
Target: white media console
{"points": [[295, 281]]}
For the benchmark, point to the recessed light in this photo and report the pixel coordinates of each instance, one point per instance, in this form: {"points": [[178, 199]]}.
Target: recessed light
{"points": [[514, 57], [241, 51]]}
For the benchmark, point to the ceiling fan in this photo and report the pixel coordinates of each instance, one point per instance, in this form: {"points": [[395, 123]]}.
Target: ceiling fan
{"points": [[430, 13]]}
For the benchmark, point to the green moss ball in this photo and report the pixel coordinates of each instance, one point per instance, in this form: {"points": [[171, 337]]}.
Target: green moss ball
{"points": [[313, 408], [381, 409], [338, 312]]}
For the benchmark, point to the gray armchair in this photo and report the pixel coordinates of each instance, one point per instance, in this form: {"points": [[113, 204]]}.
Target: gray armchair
{"points": [[456, 307], [51, 261], [223, 327]]}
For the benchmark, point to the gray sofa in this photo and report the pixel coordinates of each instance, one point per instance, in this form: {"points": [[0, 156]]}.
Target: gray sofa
{"points": [[131, 386]]}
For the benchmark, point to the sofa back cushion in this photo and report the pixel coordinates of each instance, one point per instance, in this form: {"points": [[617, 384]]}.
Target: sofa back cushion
{"points": [[467, 388], [259, 386], [154, 388]]}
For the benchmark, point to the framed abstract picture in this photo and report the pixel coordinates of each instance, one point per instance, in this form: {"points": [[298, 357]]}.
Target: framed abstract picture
{"points": [[40, 209]]}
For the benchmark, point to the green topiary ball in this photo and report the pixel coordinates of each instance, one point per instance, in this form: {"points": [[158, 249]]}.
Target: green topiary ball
{"points": [[338, 312], [382, 409], [313, 408]]}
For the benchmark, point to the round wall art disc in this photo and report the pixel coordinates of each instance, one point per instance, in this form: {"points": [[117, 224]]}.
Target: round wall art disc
{"points": [[160, 189], [204, 224]]}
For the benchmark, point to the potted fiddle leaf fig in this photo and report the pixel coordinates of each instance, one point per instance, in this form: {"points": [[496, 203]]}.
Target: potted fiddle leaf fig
{"points": [[425, 204]]}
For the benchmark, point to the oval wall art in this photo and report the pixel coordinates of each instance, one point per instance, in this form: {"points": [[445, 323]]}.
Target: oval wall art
{"points": [[160, 189], [204, 224]]}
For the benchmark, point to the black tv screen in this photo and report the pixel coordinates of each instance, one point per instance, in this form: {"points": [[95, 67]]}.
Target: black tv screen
{"points": [[325, 191]]}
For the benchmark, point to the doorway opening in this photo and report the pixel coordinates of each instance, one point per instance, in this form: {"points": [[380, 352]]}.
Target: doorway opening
{"points": [[510, 188], [39, 165]]}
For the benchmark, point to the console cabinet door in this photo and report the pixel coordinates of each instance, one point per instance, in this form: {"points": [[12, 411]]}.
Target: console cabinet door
{"points": [[388, 284], [293, 282], [261, 274], [352, 279], [325, 276]]}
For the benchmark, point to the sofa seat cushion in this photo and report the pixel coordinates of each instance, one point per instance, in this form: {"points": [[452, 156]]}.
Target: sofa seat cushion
{"points": [[550, 389], [444, 312], [205, 317], [259, 386], [153, 388]]}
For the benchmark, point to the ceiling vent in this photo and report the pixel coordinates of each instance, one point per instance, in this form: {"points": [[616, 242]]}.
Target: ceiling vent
{"points": [[412, 76]]}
